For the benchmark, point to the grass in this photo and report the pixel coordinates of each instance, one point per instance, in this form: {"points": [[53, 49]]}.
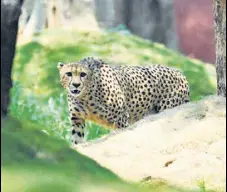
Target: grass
{"points": [[38, 96], [33, 161]]}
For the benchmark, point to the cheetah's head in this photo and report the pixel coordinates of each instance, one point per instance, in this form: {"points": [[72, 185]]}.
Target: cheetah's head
{"points": [[75, 78]]}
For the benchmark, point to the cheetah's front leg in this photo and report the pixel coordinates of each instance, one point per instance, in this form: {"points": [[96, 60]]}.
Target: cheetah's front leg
{"points": [[78, 125]]}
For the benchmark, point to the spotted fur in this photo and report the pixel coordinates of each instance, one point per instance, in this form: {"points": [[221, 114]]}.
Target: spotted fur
{"points": [[117, 96]]}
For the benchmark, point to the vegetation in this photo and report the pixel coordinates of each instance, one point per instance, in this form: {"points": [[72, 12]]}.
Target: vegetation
{"points": [[37, 162], [33, 161]]}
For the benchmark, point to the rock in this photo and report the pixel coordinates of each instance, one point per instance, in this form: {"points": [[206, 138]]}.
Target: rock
{"points": [[176, 145]]}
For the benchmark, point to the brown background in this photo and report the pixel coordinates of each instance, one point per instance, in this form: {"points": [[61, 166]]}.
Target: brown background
{"points": [[194, 20]]}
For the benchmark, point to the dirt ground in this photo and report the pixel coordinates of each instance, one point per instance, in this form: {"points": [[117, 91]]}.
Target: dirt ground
{"points": [[185, 146]]}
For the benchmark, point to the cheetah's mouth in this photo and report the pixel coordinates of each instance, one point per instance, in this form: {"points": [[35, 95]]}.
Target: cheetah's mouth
{"points": [[75, 91]]}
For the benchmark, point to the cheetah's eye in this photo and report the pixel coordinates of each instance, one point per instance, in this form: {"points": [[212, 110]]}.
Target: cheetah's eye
{"points": [[83, 74], [69, 74]]}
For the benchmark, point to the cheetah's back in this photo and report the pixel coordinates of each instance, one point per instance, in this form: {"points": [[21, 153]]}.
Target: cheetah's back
{"points": [[152, 88]]}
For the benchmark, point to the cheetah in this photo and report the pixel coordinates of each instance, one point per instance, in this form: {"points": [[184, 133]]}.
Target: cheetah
{"points": [[118, 96]]}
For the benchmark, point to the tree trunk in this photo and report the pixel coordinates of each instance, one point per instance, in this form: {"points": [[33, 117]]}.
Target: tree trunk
{"points": [[10, 13], [153, 20], [54, 13], [110, 13], [150, 19], [27, 9], [145, 19], [220, 35], [37, 19], [169, 24]]}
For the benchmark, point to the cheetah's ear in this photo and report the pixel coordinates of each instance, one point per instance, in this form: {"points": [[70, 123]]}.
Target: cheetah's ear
{"points": [[91, 62], [60, 65], [94, 64]]}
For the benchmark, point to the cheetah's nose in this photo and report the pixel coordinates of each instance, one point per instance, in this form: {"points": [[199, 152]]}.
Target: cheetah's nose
{"points": [[76, 84]]}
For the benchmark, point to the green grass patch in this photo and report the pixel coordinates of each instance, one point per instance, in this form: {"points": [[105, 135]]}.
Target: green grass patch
{"points": [[33, 161]]}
